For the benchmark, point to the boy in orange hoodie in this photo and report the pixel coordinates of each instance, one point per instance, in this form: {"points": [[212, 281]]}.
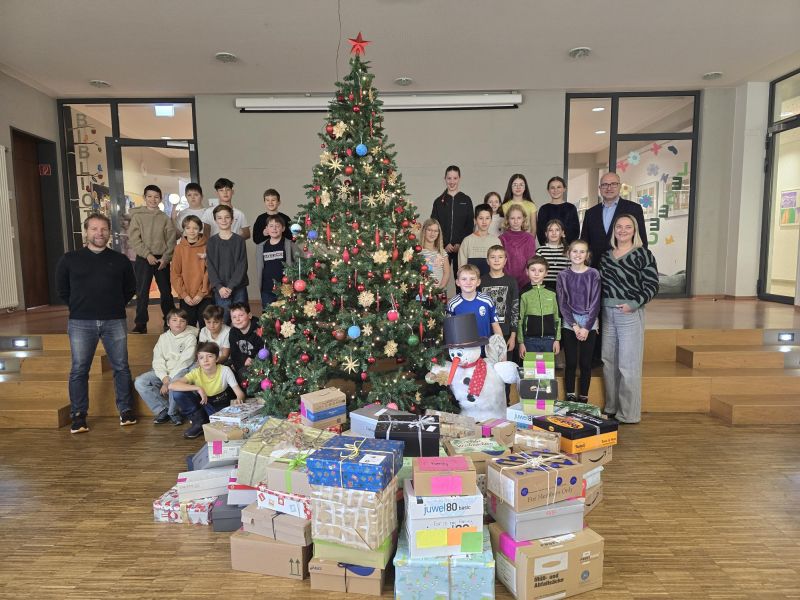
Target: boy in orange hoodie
{"points": [[188, 270]]}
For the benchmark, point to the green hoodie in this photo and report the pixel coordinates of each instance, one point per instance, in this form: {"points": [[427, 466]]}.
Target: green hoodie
{"points": [[539, 306]]}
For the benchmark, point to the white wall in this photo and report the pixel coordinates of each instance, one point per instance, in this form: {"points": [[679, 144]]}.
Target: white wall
{"points": [[262, 150]]}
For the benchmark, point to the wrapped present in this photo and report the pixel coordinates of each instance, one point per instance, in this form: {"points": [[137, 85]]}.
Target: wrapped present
{"points": [[169, 509], [453, 426], [297, 419], [276, 525], [356, 518], [463, 577], [480, 481], [227, 517], [198, 461], [221, 453], [420, 435], [594, 496], [554, 567], [580, 431], [239, 493], [257, 554], [444, 476], [526, 440], [591, 458], [237, 414], [377, 558], [335, 576], [363, 420], [324, 404], [538, 396], [501, 430], [531, 479], [193, 485], [479, 450], [562, 407], [288, 472], [276, 436], [356, 463], [544, 521], [332, 424], [290, 504], [539, 365], [442, 525], [216, 430]]}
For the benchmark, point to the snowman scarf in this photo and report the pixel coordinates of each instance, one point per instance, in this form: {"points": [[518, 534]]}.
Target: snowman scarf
{"points": [[478, 377]]}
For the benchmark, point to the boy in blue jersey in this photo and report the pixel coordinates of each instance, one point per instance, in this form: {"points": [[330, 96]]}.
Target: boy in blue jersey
{"points": [[469, 300]]}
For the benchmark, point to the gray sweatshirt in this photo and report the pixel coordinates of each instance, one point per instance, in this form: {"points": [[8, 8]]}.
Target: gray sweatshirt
{"points": [[227, 262]]}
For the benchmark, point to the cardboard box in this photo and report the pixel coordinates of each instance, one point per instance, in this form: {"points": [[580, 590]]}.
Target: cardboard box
{"points": [[288, 472], [222, 453], [444, 476], [539, 365], [278, 526], [226, 517], [296, 418], [594, 496], [327, 424], [538, 395], [377, 559], [531, 479], [464, 577], [453, 426], [319, 401], [237, 414], [593, 458], [526, 440], [363, 420], [501, 430], [592, 476], [340, 577], [420, 435], [356, 463], [556, 567], [479, 450], [193, 485], [356, 518], [564, 406], [169, 509], [198, 461], [238, 493], [545, 521], [222, 432], [580, 431], [256, 554], [517, 415], [443, 525], [290, 504]]}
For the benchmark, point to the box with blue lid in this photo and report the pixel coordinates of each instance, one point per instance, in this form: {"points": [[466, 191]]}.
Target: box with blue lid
{"points": [[356, 463]]}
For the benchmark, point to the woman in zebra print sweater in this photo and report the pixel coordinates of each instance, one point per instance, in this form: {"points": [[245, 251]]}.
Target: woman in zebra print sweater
{"points": [[629, 281]]}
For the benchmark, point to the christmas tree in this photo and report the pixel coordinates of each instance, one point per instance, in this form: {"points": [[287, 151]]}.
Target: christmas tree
{"points": [[359, 305]]}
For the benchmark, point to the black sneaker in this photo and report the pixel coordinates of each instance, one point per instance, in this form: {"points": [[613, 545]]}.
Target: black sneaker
{"points": [[163, 417], [177, 420], [139, 329], [127, 418], [79, 424], [572, 398], [195, 431]]}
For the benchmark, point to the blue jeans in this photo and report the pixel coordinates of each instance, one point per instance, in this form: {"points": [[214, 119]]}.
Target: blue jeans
{"points": [[267, 295], [238, 294], [149, 387], [539, 344], [83, 337], [189, 402]]}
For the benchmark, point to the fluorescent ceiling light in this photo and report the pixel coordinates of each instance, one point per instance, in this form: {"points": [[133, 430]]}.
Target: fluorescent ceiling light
{"points": [[598, 109], [600, 132], [164, 110], [320, 103]]}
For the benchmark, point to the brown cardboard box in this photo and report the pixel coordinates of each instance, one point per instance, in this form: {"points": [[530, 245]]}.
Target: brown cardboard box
{"points": [[531, 479], [324, 399], [555, 567], [350, 579], [324, 424], [282, 476], [278, 526], [593, 458], [536, 439], [444, 476], [479, 450], [257, 554], [222, 431], [594, 496], [501, 430]]}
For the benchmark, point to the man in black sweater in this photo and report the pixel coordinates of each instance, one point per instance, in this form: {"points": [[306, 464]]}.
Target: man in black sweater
{"points": [[97, 283]]}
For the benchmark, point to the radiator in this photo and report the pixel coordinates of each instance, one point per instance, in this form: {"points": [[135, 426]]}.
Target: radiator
{"points": [[8, 271]]}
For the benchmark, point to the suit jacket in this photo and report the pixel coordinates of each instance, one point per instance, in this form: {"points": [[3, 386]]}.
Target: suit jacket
{"points": [[595, 234]]}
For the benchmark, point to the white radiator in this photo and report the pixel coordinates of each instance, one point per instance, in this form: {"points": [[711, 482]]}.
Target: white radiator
{"points": [[8, 272]]}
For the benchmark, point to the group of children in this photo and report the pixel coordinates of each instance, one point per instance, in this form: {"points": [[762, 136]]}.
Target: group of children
{"points": [[197, 373]]}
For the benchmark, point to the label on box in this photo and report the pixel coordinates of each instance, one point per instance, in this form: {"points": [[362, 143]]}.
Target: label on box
{"points": [[506, 572], [501, 486], [476, 445], [442, 463], [372, 459]]}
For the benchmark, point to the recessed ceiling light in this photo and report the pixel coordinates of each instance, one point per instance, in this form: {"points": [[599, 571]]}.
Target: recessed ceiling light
{"points": [[712, 75], [99, 83], [580, 52], [403, 81], [226, 57], [600, 132], [598, 109], [164, 110]]}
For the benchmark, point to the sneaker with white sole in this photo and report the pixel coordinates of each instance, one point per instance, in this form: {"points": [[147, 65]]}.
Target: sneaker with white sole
{"points": [[127, 418], [79, 424]]}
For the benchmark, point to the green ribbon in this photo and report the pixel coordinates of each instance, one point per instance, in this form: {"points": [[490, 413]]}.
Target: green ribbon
{"points": [[292, 464]]}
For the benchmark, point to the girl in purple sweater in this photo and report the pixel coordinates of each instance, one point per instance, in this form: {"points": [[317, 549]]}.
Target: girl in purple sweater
{"points": [[578, 292]]}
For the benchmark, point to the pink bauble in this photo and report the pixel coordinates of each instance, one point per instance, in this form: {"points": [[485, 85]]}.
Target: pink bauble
{"points": [[266, 384], [393, 315], [299, 285]]}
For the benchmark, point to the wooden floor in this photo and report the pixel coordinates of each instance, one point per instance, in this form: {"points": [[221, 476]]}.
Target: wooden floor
{"points": [[692, 509]]}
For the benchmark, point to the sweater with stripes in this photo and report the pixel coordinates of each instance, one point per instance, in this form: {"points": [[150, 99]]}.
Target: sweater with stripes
{"points": [[631, 279], [557, 261]]}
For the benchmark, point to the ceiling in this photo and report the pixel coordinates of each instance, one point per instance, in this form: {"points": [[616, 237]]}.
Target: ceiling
{"points": [[157, 48]]}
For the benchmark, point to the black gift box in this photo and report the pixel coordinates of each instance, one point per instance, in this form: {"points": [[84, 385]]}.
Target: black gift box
{"points": [[538, 389], [584, 425], [413, 431], [224, 516]]}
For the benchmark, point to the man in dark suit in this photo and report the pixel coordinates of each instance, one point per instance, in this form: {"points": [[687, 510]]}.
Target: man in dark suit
{"points": [[596, 230]]}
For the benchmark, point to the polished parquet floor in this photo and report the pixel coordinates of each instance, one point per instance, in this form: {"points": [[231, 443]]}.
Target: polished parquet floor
{"points": [[692, 509]]}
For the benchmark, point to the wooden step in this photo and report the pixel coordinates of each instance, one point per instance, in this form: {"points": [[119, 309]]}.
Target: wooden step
{"points": [[56, 364], [756, 409], [673, 387], [723, 337], [25, 414], [136, 343], [752, 381], [731, 357]]}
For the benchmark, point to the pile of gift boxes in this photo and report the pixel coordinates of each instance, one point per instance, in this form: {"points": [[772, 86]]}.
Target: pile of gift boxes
{"points": [[438, 503]]}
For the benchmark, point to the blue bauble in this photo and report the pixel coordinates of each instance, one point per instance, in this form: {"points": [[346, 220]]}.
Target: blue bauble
{"points": [[296, 228], [354, 332], [312, 234], [362, 150]]}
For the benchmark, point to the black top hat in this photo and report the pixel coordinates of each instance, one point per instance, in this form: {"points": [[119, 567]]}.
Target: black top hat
{"points": [[461, 331]]}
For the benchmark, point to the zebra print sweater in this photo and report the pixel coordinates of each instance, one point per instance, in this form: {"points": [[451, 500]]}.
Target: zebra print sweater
{"points": [[631, 279]]}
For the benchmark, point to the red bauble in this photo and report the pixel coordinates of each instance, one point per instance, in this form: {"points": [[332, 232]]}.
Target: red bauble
{"points": [[385, 161], [334, 279], [360, 242], [349, 152], [393, 315], [400, 360], [417, 248], [304, 357], [300, 285], [284, 279], [361, 287], [387, 276], [423, 268], [356, 109], [435, 360], [354, 250], [319, 307], [340, 97], [348, 170], [355, 225], [317, 264], [260, 331], [350, 96], [412, 237], [346, 256], [370, 274], [312, 276], [306, 332], [371, 360], [363, 376], [404, 223], [299, 381], [329, 129], [347, 182], [398, 209]]}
